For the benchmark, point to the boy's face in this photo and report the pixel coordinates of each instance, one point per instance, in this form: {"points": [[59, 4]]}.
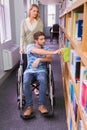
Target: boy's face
{"points": [[41, 40]]}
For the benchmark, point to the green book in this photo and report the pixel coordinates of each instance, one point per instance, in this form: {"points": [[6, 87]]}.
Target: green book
{"points": [[66, 54]]}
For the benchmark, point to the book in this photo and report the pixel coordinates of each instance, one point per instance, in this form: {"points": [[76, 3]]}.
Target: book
{"points": [[77, 16], [67, 43], [80, 125], [73, 99], [66, 54], [71, 124], [79, 26], [69, 26], [83, 89], [75, 61], [84, 95], [71, 91]]}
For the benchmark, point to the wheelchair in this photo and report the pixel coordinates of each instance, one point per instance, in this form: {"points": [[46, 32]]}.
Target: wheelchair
{"points": [[20, 94]]}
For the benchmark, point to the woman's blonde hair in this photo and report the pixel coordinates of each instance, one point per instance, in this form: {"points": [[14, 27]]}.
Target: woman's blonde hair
{"points": [[34, 5]]}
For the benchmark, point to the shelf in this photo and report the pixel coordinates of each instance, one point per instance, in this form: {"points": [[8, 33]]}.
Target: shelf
{"points": [[77, 92], [73, 25], [71, 108], [77, 46], [82, 116], [75, 5]]}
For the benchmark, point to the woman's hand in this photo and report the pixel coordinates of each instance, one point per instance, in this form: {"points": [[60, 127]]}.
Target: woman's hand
{"points": [[21, 52], [36, 62]]}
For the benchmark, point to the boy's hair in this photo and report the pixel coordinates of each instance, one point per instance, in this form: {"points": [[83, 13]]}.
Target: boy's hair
{"points": [[37, 34]]}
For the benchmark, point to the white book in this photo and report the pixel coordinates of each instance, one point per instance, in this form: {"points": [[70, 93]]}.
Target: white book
{"points": [[75, 65]]}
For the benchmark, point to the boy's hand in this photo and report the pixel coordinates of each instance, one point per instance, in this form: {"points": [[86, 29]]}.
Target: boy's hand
{"points": [[57, 51], [36, 62]]}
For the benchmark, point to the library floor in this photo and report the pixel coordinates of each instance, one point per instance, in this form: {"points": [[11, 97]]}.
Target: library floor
{"points": [[10, 115]]}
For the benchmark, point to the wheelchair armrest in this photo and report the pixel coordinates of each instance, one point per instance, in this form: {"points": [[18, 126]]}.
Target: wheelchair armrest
{"points": [[49, 68], [48, 65]]}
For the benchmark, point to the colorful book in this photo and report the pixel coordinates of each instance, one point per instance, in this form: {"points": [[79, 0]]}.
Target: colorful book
{"points": [[77, 16], [73, 99], [67, 43], [80, 125], [66, 54], [84, 94], [83, 88], [71, 126], [75, 65], [79, 27]]}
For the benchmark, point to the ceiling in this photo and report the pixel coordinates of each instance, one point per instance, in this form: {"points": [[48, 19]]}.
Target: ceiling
{"points": [[50, 1]]}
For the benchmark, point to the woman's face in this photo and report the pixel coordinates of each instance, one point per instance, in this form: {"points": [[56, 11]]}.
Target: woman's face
{"points": [[34, 12]]}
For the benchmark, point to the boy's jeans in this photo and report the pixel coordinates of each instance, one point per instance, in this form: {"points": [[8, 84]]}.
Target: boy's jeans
{"points": [[27, 80]]}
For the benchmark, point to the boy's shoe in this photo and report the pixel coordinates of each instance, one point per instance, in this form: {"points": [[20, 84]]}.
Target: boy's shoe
{"points": [[28, 113], [42, 109]]}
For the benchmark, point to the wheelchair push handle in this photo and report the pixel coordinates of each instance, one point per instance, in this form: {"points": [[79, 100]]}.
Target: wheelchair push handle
{"points": [[21, 59]]}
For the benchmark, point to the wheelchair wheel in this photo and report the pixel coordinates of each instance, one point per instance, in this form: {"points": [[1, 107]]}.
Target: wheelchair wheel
{"points": [[51, 91], [23, 103], [20, 96]]}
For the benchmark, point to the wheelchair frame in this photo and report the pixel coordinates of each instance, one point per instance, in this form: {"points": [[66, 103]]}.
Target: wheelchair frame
{"points": [[20, 94]]}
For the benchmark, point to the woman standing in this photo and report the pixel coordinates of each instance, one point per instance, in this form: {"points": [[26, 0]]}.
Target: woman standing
{"points": [[29, 26]]}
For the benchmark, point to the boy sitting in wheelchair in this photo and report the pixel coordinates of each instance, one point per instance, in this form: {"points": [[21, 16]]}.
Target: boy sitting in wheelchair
{"points": [[37, 57]]}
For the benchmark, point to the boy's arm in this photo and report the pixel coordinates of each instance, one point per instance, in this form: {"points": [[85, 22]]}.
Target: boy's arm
{"points": [[45, 52], [48, 58]]}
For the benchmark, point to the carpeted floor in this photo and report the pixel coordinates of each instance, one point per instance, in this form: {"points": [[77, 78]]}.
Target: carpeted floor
{"points": [[10, 115]]}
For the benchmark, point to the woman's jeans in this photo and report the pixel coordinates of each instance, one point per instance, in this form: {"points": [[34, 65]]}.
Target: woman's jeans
{"points": [[27, 81]]}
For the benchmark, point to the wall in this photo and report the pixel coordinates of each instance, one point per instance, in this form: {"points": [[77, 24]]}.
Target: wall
{"points": [[19, 16], [43, 12], [12, 30], [1, 61], [16, 15]]}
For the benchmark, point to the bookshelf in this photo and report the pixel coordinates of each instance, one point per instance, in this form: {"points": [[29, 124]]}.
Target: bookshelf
{"points": [[73, 34]]}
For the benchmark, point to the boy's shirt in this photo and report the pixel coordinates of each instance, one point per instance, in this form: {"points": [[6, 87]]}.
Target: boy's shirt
{"points": [[31, 57]]}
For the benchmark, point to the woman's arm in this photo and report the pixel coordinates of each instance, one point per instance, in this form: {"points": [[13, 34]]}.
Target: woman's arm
{"points": [[40, 25], [22, 40]]}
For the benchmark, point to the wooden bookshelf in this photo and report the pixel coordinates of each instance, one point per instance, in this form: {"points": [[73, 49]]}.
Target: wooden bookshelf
{"points": [[69, 19], [74, 6]]}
